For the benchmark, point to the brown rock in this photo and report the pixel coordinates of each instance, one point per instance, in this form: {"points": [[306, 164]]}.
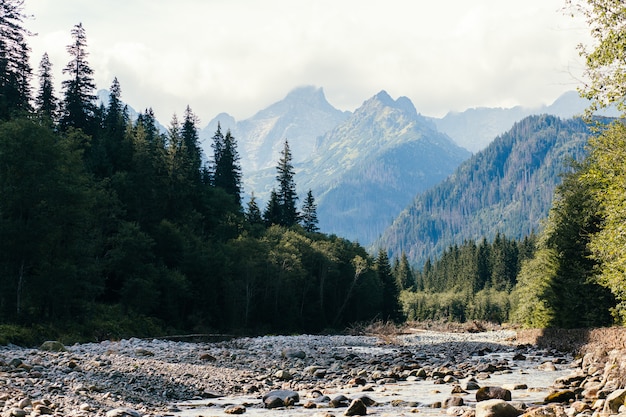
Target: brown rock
{"points": [[493, 393], [356, 408], [235, 409], [560, 397], [496, 408]]}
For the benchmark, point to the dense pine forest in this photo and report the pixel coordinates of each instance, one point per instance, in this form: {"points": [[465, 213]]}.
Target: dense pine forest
{"points": [[111, 228]]}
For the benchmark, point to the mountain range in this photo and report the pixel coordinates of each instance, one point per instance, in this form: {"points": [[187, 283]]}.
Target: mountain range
{"points": [[475, 128], [366, 167]]}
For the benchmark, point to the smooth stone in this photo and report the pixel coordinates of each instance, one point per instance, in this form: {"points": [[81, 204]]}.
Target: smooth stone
{"points": [[235, 409], [356, 408], [560, 397], [287, 396], [293, 353], [496, 408], [273, 402], [52, 346], [615, 400], [493, 393], [123, 412]]}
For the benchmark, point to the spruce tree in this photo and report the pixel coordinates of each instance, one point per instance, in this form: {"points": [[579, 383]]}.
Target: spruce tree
{"points": [[45, 102], [15, 70], [391, 307], [309, 213], [227, 170], [191, 143], [78, 90], [253, 212], [272, 213], [286, 193]]}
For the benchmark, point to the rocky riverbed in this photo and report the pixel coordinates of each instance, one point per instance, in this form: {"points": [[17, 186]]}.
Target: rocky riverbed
{"points": [[311, 375]]}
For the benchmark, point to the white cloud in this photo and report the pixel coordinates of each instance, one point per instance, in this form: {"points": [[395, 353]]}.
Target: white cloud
{"points": [[240, 56]]}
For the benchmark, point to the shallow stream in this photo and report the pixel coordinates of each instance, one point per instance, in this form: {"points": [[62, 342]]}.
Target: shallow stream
{"points": [[402, 398]]}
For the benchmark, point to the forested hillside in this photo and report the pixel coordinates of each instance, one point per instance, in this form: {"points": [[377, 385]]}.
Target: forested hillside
{"points": [[109, 228], [507, 188]]}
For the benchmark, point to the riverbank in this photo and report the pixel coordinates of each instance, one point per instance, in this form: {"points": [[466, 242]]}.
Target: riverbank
{"points": [[149, 377]]}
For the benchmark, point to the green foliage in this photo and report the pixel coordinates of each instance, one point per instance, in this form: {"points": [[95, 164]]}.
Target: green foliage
{"points": [[605, 61], [605, 176], [468, 282]]}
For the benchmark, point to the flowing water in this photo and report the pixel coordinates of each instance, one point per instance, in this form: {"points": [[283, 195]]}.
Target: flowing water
{"points": [[403, 397]]}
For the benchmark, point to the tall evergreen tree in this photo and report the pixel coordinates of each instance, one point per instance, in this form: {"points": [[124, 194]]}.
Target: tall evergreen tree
{"points": [[45, 102], [78, 95], [309, 213], [390, 308], [404, 274], [227, 170], [286, 193], [191, 143], [272, 212], [253, 213], [15, 70]]}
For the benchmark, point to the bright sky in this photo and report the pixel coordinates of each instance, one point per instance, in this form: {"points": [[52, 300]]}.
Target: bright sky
{"points": [[240, 56]]}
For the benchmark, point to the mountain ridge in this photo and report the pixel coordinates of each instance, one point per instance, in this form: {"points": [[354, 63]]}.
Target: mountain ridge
{"points": [[505, 188]]}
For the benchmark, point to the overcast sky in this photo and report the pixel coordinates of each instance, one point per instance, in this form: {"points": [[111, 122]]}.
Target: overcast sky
{"points": [[239, 56]]}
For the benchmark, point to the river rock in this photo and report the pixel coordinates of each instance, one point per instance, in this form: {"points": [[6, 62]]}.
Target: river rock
{"points": [[496, 408], [453, 401], [52, 346], [493, 393], [273, 401], [560, 397], [123, 412], [547, 366], [235, 409], [287, 397], [551, 410], [356, 408], [283, 374], [614, 401], [290, 353]]}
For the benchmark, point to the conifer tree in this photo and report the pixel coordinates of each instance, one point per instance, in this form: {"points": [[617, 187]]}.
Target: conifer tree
{"points": [[403, 273], [78, 95], [272, 213], [46, 102], [286, 193], [391, 306], [15, 70], [253, 212], [191, 143], [309, 213], [227, 170]]}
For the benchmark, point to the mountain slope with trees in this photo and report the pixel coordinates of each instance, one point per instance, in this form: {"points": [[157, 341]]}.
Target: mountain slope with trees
{"points": [[506, 188], [368, 168]]}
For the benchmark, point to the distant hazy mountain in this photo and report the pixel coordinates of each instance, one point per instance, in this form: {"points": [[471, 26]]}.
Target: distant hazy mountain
{"points": [[475, 128], [366, 169], [302, 116], [507, 187]]}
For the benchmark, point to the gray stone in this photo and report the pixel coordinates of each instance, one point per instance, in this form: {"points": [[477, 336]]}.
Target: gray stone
{"points": [[123, 412], [293, 353], [52, 346]]}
